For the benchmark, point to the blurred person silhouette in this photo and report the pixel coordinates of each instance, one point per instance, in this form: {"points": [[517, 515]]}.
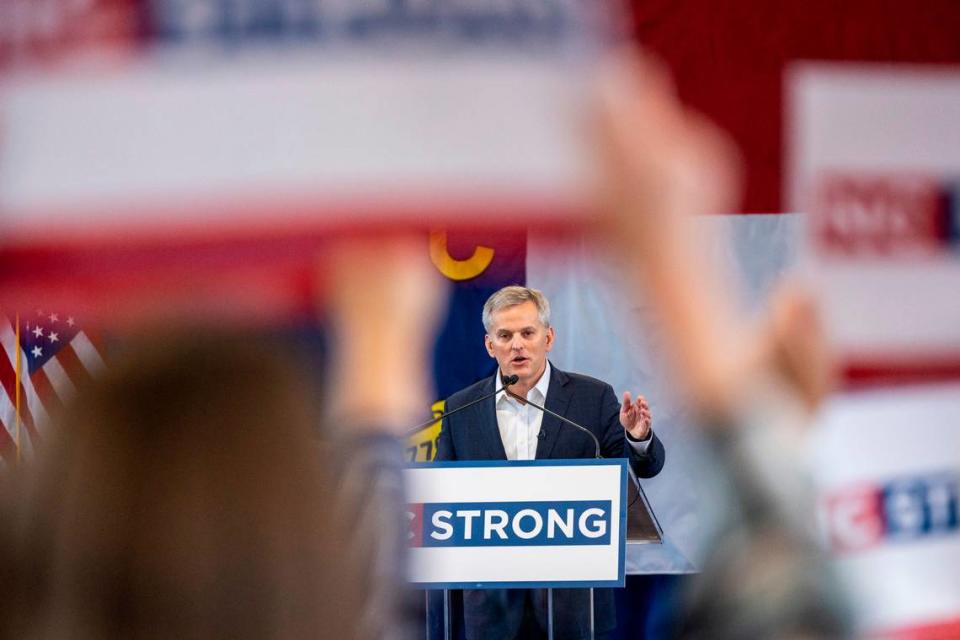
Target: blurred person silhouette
{"points": [[184, 494], [9, 577], [753, 388], [385, 298], [182, 497]]}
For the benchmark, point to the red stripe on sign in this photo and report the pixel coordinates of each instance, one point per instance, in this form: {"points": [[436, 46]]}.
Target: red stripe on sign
{"points": [[229, 291], [218, 220], [944, 630], [860, 373], [247, 272], [854, 518], [415, 523]]}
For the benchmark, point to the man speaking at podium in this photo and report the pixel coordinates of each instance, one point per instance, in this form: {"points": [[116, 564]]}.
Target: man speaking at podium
{"points": [[519, 336]]}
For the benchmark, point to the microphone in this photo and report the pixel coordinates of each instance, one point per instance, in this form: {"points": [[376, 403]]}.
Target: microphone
{"points": [[542, 434], [505, 380]]}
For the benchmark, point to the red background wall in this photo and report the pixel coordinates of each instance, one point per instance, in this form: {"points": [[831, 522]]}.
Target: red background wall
{"points": [[728, 58]]}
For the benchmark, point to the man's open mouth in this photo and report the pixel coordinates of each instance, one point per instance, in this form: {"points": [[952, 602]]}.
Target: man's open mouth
{"points": [[519, 360]]}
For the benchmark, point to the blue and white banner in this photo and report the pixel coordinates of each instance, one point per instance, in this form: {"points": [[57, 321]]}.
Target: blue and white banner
{"points": [[517, 524], [222, 142], [887, 465], [874, 160]]}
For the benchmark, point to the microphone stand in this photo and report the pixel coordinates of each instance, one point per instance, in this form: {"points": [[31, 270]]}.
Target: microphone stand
{"points": [[596, 443], [506, 380], [630, 472]]}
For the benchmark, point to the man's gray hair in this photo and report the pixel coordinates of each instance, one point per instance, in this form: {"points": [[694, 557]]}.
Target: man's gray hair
{"points": [[512, 296]]}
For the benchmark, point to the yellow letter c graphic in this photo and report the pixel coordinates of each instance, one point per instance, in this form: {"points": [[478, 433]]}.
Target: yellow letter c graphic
{"points": [[458, 269]]}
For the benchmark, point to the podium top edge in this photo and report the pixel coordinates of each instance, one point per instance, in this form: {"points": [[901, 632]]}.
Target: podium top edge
{"points": [[573, 462]]}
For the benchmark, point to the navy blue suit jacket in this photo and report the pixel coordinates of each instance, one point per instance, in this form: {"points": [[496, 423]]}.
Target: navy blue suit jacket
{"points": [[473, 434]]}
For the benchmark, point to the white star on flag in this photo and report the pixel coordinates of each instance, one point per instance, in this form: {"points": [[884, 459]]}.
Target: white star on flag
{"points": [[53, 366]]}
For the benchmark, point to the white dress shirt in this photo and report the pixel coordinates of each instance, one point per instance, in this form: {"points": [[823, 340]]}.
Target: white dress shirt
{"points": [[519, 424]]}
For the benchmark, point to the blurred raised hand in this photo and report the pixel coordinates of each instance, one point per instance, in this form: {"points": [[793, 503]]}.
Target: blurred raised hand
{"points": [[661, 165], [384, 298]]}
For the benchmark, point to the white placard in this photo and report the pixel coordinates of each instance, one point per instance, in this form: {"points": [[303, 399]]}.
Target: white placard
{"points": [[517, 524], [887, 463], [873, 156], [157, 144]]}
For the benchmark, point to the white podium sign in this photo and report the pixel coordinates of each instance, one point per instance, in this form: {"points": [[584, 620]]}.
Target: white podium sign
{"points": [[873, 157], [539, 523]]}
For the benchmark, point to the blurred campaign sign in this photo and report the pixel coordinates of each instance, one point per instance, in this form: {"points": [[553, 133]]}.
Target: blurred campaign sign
{"points": [[285, 140], [517, 524], [874, 158], [888, 470], [224, 142]]}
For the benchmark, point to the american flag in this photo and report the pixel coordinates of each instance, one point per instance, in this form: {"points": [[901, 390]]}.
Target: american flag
{"points": [[56, 357]]}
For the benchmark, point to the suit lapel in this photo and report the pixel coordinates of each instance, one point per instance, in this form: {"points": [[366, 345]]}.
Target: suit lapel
{"points": [[558, 397], [489, 429]]}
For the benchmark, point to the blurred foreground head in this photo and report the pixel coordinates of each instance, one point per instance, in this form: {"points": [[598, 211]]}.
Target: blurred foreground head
{"points": [[185, 497]]}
